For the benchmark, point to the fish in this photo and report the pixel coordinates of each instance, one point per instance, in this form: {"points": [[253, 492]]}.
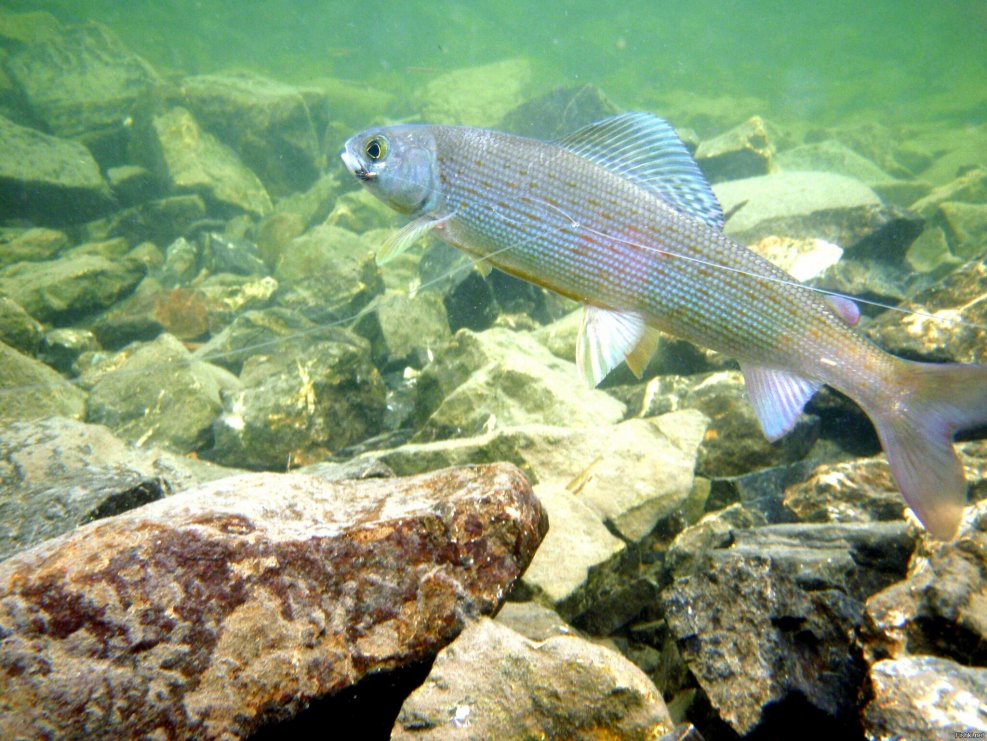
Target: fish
{"points": [[619, 217]]}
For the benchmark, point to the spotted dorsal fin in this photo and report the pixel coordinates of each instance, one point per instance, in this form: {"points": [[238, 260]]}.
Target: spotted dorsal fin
{"points": [[646, 149]]}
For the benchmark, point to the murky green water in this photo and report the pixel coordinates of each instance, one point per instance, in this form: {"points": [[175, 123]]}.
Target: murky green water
{"points": [[234, 314], [826, 61]]}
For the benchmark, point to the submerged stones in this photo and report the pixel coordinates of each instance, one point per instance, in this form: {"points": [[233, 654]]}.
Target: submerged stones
{"points": [[493, 683], [51, 180], [210, 293], [196, 161], [300, 408], [84, 83], [221, 593]]}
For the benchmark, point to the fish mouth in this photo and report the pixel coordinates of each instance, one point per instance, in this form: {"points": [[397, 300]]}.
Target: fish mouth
{"points": [[354, 166]]}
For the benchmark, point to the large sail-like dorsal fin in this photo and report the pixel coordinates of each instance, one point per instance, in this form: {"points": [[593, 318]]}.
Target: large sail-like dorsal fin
{"points": [[646, 149]]}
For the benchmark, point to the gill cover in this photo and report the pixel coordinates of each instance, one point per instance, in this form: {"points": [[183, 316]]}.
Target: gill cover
{"points": [[396, 164]]}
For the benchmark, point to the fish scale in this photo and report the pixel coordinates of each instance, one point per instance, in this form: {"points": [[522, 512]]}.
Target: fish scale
{"points": [[735, 313], [619, 217]]}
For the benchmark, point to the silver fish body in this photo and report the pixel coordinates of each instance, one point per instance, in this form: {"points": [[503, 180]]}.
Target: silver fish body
{"points": [[618, 217]]}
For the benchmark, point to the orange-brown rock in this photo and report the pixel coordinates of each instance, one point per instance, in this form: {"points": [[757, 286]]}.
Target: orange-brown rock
{"points": [[212, 612]]}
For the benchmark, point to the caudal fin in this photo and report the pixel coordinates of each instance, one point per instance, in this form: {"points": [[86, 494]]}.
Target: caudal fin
{"points": [[917, 436]]}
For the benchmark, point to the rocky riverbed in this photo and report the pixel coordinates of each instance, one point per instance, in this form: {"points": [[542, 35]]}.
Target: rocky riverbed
{"points": [[252, 483]]}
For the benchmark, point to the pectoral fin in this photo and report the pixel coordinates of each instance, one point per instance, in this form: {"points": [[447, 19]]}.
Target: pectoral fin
{"points": [[608, 337], [778, 397], [406, 236]]}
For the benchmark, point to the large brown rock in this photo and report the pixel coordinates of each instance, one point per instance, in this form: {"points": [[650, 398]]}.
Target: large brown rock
{"points": [[211, 612]]}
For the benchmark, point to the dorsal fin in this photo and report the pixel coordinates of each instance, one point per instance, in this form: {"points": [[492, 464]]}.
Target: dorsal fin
{"points": [[646, 149]]}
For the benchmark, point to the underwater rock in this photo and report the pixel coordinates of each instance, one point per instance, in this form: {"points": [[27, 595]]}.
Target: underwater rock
{"points": [[228, 295], [30, 389], [533, 621], [267, 122], [292, 216], [688, 552], [633, 474], [261, 331], [847, 491], [970, 186], [360, 211], [924, 697], [872, 280], [48, 180], [803, 259], [188, 313], [21, 29], [630, 475], [30, 245], [468, 295], [475, 96], [577, 546], [768, 622], [295, 408], [240, 602], [18, 329], [734, 444], [940, 608], [831, 155], [955, 330], [327, 274], [133, 185], [156, 393], [744, 151], [559, 112], [58, 473], [811, 205], [761, 492], [965, 226], [85, 85], [494, 683], [70, 287], [160, 221], [195, 161], [499, 378], [405, 331], [61, 348]]}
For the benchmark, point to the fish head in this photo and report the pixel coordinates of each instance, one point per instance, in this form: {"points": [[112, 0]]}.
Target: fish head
{"points": [[398, 165]]}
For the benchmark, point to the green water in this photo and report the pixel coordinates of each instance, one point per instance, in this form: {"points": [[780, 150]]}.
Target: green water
{"points": [[822, 62]]}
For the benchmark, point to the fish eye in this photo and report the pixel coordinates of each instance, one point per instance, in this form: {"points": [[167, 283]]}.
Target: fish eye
{"points": [[376, 148]]}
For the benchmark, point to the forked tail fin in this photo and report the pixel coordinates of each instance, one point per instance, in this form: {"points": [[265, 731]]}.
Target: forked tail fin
{"points": [[917, 436]]}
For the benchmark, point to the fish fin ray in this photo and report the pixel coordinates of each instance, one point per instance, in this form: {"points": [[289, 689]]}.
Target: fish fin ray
{"points": [[647, 150], [778, 397], [605, 338], [638, 358], [917, 437], [400, 240]]}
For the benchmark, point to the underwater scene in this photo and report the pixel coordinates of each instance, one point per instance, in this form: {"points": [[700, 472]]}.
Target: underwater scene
{"points": [[490, 371]]}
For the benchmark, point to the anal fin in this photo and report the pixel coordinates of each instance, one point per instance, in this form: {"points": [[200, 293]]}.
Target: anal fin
{"points": [[778, 397]]}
